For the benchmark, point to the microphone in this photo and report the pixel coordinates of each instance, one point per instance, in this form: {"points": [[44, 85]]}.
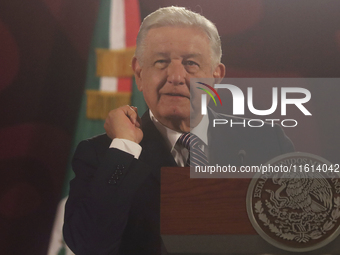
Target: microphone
{"points": [[242, 155]]}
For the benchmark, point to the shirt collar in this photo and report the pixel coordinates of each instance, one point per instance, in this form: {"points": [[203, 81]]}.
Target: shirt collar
{"points": [[171, 136]]}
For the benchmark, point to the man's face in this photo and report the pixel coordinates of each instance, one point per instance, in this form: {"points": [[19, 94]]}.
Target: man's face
{"points": [[172, 56]]}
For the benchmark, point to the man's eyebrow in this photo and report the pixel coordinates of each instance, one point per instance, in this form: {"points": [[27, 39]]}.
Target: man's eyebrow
{"points": [[193, 55], [161, 54]]}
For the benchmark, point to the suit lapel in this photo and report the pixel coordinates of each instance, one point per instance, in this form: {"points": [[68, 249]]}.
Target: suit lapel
{"points": [[154, 150]]}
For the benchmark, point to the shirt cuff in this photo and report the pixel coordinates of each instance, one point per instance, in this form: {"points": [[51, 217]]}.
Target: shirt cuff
{"points": [[127, 146]]}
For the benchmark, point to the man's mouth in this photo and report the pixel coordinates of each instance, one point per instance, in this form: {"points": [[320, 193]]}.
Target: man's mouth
{"points": [[176, 95]]}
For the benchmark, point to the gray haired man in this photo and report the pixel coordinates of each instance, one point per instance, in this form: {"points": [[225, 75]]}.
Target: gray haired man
{"points": [[114, 201]]}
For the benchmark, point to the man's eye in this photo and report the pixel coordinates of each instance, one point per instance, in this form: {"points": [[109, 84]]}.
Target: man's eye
{"points": [[191, 63], [161, 61]]}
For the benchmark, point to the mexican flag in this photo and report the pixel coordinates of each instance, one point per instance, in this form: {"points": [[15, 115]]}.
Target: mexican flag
{"points": [[109, 84]]}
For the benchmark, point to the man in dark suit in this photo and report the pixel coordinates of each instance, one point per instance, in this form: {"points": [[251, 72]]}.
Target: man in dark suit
{"points": [[114, 200]]}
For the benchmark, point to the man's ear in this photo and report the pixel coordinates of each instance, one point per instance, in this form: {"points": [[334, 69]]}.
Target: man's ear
{"points": [[219, 72], [137, 70]]}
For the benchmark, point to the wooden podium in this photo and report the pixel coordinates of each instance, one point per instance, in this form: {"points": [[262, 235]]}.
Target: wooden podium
{"points": [[209, 216]]}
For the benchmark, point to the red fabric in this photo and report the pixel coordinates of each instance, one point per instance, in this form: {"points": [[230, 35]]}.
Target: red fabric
{"points": [[124, 84], [132, 22]]}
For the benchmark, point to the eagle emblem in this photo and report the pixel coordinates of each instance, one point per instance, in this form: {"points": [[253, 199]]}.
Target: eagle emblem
{"points": [[296, 211]]}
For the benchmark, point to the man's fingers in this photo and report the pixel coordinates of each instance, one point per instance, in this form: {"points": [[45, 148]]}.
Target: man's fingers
{"points": [[132, 115], [118, 124], [139, 120], [131, 112]]}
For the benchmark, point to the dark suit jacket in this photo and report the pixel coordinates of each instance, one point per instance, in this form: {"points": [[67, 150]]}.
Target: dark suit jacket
{"points": [[106, 214]]}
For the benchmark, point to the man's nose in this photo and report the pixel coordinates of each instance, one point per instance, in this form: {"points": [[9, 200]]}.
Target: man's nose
{"points": [[176, 73]]}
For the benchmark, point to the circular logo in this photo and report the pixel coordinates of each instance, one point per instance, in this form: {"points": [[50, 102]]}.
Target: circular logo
{"points": [[294, 203]]}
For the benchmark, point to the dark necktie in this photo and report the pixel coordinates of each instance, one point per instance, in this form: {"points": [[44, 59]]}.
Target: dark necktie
{"points": [[193, 143]]}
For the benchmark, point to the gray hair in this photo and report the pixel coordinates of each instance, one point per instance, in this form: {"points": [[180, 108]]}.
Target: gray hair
{"points": [[180, 16]]}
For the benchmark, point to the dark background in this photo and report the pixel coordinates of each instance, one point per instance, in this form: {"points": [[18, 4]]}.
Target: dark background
{"points": [[43, 57]]}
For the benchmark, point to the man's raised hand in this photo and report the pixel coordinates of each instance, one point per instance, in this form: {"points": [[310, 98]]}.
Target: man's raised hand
{"points": [[124, 123]]}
